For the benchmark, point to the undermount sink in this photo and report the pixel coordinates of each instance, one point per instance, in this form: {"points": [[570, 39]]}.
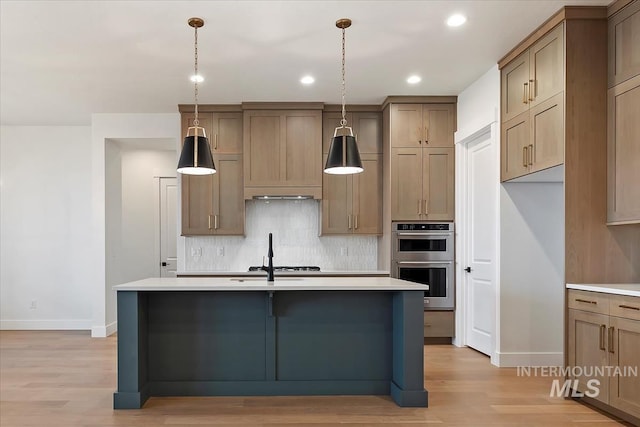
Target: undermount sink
{"points": [[262, 279]]}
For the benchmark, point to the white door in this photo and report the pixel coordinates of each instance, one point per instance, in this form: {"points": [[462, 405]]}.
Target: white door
{"points": [[480, 245], [168, 227]]}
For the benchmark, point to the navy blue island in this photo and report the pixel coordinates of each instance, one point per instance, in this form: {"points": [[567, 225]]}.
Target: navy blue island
{"points": [[245, 337]]}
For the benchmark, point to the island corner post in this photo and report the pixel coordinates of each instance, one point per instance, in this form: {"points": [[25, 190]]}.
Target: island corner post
{"points": [[270, 343]]}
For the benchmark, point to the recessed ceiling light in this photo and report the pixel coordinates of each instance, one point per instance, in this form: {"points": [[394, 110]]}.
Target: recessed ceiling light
{"points": [[197, 78], [456, 20], [307, 80], [414, 79]]}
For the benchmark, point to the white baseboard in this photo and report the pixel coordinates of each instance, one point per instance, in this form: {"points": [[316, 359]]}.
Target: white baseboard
{"points": [[104, 331], [512, 360], [45, 325]]}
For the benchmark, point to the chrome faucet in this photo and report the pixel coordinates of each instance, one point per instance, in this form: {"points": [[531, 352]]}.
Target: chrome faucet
{"points": [[269, 267]]}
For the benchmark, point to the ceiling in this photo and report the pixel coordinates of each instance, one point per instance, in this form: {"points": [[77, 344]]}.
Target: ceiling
{"points": [[61, 61]]}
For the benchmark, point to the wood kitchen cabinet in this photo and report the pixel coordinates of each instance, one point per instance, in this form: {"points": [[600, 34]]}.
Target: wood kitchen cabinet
{"points": [[282, 152], [351, 204], [214, 204], [603, 331], [532, 101], [422, 184], [422, 125], [623, 110]]}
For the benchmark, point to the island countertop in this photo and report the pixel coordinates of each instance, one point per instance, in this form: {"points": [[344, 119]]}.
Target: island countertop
{"points": [[628, 289], [280, 284], [323, 273]]}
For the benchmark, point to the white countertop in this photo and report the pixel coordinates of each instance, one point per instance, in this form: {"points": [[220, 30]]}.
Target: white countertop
{"points": [[629, 289], [280, 284], [326, 273]]}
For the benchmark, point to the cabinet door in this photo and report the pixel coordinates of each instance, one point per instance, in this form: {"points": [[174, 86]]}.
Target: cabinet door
{"points": [[546, 76], [301, 148], [624, 44], [205, 120], [514, 87], [367, 128], [514, 142], [406, 125], [367, 192], [197, 205], [587, 347], [624, 391], [406, 184], [226, 133], [547, 134], [262, 156], [623, 140], [438, 121], [228, 195], [438, 171], [337, 196]]}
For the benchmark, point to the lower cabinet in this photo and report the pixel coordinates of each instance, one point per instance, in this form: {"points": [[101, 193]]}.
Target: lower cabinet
{"points": [[604, 333], [439, 324]]}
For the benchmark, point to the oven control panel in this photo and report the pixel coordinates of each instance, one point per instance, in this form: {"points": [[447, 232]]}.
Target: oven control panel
{"points": [[423, 227]]}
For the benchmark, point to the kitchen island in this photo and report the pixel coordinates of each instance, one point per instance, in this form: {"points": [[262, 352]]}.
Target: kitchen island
{"points": [[245, 337]]}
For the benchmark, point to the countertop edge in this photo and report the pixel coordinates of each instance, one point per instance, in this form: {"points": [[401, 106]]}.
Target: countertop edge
{"points": [[625, 289]]}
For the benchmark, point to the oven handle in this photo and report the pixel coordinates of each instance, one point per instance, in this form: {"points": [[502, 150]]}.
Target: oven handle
{"points": [[447, 233], [424, 262]]}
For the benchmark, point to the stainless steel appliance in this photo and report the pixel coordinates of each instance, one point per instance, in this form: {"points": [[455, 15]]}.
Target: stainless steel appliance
{"points": [[424, 253]]}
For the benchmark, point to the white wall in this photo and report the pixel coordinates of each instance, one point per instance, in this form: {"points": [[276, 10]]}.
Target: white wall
{"points": [[479, 104], [103, 128], [294, 225], [532, 274], [45, 219]]}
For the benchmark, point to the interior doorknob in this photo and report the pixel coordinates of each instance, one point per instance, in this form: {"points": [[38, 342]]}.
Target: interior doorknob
{"points": [[468, 269]]}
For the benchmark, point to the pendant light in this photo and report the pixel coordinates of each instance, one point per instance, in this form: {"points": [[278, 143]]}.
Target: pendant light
{"points": [[343, 157], [196, 158]]}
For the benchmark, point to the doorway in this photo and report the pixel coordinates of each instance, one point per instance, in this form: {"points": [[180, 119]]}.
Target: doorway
{"points": [[168, 193]]}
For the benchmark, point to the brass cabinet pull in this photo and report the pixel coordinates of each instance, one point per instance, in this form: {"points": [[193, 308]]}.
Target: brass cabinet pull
{"points": [[355, 222], [630, 307], [586, 301], [531, 91], [426, 207], [215, 222], [426, 135], [419, 207], [349, 221], [209, 218], [215, 143], [611, 340], [530, 154], [419, 132], [603, 330], [524, 94], [525, 158]]}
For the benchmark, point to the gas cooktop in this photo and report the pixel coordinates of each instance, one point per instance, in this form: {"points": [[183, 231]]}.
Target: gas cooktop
{"points": [[288, 268]]}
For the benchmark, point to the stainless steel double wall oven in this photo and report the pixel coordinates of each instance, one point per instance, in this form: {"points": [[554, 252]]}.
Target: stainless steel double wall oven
{"points": [[423, 253]]}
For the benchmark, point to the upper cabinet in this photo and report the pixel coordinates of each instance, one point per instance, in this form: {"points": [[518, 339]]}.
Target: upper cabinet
{"points": [[422, 125], [351, 204], [282, 152], [532, 93], [214, 204], [422, 165], [623, 124]]}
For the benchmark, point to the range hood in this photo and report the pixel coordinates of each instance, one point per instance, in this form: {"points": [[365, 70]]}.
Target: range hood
{"points": [[273, 192], [267, 198]]}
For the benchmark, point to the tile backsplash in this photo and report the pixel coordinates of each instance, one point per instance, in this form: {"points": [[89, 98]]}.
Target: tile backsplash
{"points": [[295, 228]]}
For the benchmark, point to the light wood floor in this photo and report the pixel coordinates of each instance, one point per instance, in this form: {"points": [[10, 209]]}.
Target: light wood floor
{"points": [[53, 378]]}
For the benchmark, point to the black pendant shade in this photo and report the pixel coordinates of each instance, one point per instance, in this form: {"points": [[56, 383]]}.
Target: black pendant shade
{"points": [[204, 164], [343, 157]]}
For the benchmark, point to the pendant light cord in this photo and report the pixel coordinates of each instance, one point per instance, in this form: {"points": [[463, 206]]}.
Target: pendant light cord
{"points": [[195, 120], [343, 122]]}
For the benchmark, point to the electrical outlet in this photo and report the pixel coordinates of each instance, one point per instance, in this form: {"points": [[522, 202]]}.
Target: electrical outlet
{"points": [[195, 252], [33, 305], [220, 251], [344, 252]]}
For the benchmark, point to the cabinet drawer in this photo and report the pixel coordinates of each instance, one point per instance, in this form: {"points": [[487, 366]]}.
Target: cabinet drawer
{"points": [[624, 306], [439, 323], [594, 302]]}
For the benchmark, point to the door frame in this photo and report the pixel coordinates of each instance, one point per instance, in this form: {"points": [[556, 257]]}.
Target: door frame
{"points": [[490, 131]]}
